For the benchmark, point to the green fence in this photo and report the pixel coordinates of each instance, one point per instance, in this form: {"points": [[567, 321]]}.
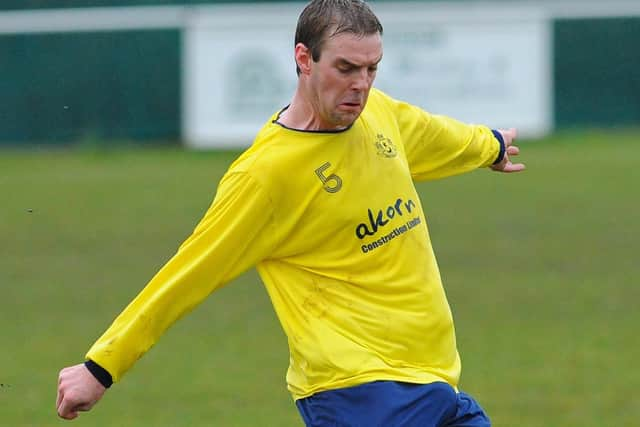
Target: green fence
{"points": [[597, 72], [49, 4], [74, 86]]}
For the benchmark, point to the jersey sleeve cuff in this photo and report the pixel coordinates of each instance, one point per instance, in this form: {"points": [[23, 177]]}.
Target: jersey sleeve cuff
{"points": [[100, 373], [500, 139]]}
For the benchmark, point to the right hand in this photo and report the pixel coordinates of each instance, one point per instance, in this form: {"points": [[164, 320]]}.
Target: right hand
{"points": [[78, 390]]}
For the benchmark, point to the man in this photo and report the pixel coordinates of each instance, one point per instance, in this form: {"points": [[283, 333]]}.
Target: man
{"points": [[324, 204]]}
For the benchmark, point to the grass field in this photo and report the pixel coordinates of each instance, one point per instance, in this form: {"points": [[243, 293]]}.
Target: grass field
{"points": [[541, 269]]}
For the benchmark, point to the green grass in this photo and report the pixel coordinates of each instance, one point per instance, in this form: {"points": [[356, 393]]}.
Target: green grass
{"points": [[541, 270]]}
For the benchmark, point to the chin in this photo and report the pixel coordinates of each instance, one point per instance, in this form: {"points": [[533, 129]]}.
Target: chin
{"points": [[346, 120]]}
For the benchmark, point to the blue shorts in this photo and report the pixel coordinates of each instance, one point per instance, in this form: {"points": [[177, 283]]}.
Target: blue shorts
{"points": [[392, 404]]}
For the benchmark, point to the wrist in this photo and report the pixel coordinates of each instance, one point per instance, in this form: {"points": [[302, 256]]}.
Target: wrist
{"points": [[99, 373], [503, 148]]}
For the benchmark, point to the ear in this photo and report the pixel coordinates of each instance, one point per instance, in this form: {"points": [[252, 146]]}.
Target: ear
{"points": [[303, 58]]}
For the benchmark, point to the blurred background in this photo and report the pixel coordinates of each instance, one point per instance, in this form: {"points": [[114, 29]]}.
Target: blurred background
{"points": [[118, 118]]}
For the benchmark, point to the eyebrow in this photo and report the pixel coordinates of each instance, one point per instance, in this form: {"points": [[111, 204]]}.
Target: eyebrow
{"points": [[344, 61]]}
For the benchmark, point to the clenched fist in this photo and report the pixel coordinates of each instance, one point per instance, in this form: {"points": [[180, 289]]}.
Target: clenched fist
{"points": [[78, 390]]}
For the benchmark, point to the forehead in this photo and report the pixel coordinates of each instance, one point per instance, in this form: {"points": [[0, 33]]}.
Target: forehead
{"points": [[354, 48]]}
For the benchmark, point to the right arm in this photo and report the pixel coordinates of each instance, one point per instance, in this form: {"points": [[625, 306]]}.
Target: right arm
{"points": [[236, 232]]}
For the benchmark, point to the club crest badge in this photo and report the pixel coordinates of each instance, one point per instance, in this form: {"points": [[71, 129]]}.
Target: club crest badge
{"points": [[385, 146]]}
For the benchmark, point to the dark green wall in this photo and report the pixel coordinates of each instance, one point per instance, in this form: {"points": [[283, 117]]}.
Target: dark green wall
{"points": [[74, 86], [67, 87], [48, 4], [597, 72]]}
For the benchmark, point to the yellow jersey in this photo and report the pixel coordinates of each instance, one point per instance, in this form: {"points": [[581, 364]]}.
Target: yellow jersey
{"points": [[334, 224]]}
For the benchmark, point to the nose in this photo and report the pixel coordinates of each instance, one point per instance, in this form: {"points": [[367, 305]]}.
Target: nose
{"points": [[363, 80]]}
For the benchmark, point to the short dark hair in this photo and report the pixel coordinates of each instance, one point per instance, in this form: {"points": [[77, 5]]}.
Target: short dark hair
{"points": [[322, 19]]}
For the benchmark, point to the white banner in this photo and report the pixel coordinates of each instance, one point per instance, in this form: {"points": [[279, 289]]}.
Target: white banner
{"points": [[238, 70], [484, 64]]}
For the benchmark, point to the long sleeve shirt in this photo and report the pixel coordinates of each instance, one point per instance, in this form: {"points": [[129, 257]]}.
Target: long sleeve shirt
{"points": [[334, 224]]}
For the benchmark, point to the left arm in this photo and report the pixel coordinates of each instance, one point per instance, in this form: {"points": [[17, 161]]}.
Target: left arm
{"points": [[437, 146]]}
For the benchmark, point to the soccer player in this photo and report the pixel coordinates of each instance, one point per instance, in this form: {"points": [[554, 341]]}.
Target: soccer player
{"points": [[324, 204]]}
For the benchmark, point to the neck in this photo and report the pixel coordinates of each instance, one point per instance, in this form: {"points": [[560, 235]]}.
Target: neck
{"points": [[300, 115], [303, 114]]}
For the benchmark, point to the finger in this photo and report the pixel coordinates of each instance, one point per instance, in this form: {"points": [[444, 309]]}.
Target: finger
{"points": [[514, 167], [71, 416], [508, 135], [66, 411], [83, 408], [59, 398], [513, 150]]}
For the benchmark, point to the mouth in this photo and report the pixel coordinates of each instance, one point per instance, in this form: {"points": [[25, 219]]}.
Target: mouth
{"points": [[350, 105]]}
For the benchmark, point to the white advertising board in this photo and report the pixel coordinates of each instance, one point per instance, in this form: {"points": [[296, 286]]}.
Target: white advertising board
{"points": [[478, 64]]}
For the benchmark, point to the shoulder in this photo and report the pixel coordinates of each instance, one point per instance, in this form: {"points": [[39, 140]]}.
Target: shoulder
{"points": [[381, 104], [256, 153], [271, 158], [378, 97]]}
